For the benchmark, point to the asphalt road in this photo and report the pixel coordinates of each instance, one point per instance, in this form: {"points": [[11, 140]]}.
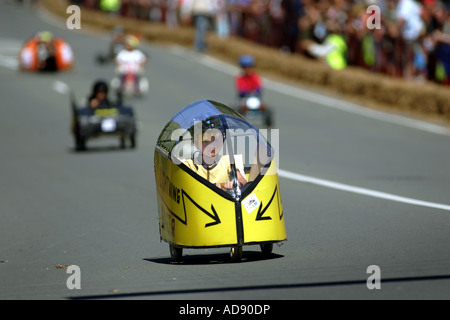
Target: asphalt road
{"points": [[350, 183]]}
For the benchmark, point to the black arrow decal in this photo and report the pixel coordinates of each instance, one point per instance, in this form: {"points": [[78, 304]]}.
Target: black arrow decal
{"points": [[213, 215], [261, 211]]}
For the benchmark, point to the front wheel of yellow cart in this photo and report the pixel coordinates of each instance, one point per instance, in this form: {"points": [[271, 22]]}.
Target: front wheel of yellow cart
{"points": [[176, 253], [236, 253], [266, 248]]}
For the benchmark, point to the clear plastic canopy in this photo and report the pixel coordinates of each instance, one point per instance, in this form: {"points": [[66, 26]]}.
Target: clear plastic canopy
{"points": [[218, 145]]}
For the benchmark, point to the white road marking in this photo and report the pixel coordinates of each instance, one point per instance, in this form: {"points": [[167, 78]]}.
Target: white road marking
{"points": [[9, 52], [363, 191], [8, 62], [9, 45], [60, 87]]}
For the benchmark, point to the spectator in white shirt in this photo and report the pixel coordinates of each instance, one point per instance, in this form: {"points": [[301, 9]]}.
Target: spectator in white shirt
{"points": [[203, 12], [411, 26]]}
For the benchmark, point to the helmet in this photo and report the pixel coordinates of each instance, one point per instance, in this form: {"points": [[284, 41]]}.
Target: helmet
{"points": [[212, 129], [100, 86], [132, 41], [246, 61], [45, 36], [212, 123]]}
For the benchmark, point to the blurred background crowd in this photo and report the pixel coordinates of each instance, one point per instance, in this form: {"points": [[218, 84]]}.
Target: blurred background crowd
{"points": [[411, 41]]}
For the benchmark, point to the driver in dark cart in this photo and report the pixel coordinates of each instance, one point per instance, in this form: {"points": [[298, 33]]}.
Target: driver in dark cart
{"points": [[99, 96]]}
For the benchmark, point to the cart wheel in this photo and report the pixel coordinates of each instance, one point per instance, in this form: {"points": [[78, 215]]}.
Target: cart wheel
{"points": [[266, 248], [123, 144], [236, 253], [133, 141], [100, 59], [80, 143], [175, 253], [269, 121]]}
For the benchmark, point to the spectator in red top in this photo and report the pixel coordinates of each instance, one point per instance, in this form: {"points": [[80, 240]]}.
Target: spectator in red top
{"points": [[248, 82]]}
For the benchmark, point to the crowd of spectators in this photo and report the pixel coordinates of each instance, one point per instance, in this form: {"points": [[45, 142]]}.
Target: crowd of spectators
{"points": [[411, 38]]}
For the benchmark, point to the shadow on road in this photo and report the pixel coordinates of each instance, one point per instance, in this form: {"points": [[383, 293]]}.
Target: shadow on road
{"points": [[204, 259], [101, 149]]}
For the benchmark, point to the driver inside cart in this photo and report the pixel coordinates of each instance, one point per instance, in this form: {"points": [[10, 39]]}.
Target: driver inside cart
{"points": [[210, 165], [99, 96]]}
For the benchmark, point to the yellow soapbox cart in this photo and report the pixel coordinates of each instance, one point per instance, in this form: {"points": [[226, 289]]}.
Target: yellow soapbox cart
{"points": [[217, 183]]}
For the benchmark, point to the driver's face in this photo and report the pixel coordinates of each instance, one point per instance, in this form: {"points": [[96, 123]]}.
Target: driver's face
{"points": [[211, 143], [101, 95], [247, 70]]}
